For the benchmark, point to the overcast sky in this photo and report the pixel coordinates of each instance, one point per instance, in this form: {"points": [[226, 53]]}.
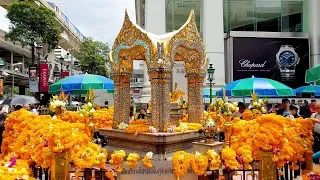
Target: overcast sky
{"points": [[100, 19]]}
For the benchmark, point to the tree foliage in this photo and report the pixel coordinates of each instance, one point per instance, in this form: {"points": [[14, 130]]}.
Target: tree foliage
{"points": [[93, 57], [32, 24]]}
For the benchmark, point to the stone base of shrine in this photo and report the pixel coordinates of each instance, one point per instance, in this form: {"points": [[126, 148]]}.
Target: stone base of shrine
{"points": [[158, 143]]}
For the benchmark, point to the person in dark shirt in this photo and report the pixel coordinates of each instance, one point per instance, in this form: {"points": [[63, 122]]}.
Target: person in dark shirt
{"points": [[284, 110], [294, 110]]}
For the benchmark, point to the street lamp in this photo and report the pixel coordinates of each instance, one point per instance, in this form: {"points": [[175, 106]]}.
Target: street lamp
{"points": [[61, 62], [16, 69], [210, 79]]}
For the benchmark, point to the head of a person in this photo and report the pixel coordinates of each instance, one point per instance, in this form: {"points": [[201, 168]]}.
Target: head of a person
{"points": [[251, 101], [305, 102], [300, 102], [32, 106], [313, 101], [241, 107], [317, 106], [26, 106], [18, 107], [293, 101], [293, 109], [106, 103], [285, 103]]}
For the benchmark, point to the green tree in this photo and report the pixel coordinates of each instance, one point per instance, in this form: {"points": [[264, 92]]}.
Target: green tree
{"points": [[32, 24], [93, 57]]}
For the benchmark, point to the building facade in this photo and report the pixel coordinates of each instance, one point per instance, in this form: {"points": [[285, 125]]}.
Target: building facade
{"points": [[277, 39]]}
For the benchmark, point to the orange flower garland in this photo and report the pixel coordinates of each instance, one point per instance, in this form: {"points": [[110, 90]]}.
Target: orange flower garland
{"points": [[20, 170], [117, 159], [181, 162], [247, 115], [199, 163], [147, 160]]}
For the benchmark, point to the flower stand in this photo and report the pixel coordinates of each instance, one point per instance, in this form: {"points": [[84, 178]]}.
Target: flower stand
{"points": [[61, 167], [266, 166]]}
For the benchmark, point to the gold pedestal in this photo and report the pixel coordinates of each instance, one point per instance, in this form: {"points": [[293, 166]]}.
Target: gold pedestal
{"points": [[60, 166], [309, 162], [266, 166]]}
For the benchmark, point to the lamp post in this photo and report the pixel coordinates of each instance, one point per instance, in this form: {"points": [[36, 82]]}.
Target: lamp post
{"points": [[12, 65], [211, 71], [61, 63]]}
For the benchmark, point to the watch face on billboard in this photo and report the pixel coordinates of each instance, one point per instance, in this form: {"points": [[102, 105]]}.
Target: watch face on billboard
{"points": [[281, 59]]}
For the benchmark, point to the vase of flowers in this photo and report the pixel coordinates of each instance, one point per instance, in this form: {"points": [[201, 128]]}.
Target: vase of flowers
{"points": [[58, 104], [87, 110]]}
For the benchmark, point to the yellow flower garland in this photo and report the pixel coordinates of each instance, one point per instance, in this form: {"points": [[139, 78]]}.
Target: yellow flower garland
{"points": [[132, 160], [214, 159], [229, 158], [181, 162]]}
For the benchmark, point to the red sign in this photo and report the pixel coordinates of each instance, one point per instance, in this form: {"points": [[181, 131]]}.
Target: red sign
{"points": [[65, 74], [44, 77]]}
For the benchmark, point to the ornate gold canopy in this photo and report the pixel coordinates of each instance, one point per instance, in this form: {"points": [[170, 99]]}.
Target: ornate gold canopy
{"points": [[160, 52]]}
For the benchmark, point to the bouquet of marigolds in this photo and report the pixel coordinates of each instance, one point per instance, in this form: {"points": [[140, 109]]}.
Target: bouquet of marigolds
{"points": [[182, 103], [224, 107]]}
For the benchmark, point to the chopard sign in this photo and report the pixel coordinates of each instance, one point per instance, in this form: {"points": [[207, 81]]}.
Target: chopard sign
{"points": [[247, 64]]}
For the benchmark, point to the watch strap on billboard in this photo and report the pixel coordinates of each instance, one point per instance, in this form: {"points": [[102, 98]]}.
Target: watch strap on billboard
{"points": [[287, 74]]}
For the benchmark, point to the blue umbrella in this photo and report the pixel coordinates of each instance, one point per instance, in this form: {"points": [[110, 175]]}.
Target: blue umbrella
{"points": [[309, 89], [80, 84], [261, 86]]}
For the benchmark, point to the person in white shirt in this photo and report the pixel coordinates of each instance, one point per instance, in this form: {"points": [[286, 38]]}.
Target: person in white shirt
{"points": [[316, 129]]}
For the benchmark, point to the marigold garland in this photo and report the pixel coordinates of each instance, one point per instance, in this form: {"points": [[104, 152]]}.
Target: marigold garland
{"points": [[132, 160], [117, 159], [214, 159], [199, 163], [147, 160], [229, 158], [181, 162]]}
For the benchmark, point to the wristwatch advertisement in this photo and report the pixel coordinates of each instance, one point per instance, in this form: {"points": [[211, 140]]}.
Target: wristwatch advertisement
{"points": [[287, 60]]}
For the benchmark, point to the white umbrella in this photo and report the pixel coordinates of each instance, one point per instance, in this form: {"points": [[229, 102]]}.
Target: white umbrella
{"points": [[20, 100]]}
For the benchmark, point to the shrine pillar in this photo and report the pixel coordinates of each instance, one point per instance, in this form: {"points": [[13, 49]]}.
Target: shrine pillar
{"points": [[122, 98], [195, 98], [160, 88]]}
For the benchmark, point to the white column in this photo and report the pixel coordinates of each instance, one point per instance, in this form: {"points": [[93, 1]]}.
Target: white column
{"points": [[213, 37], [155, 22], [314, 31]]}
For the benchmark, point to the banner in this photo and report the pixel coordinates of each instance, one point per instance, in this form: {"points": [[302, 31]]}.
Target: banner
{"points": [[282, 59], [33, 79], [65, 74], [1, 86], [44, 77]]}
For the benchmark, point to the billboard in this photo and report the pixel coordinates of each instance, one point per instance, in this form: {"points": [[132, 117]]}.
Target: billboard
{"points": [[44, 77], [282, 59], [33, 79]]}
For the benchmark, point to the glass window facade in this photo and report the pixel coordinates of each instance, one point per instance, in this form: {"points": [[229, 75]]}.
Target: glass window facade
{"points": [[177, 13], [265, 15], [245, 15]]}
